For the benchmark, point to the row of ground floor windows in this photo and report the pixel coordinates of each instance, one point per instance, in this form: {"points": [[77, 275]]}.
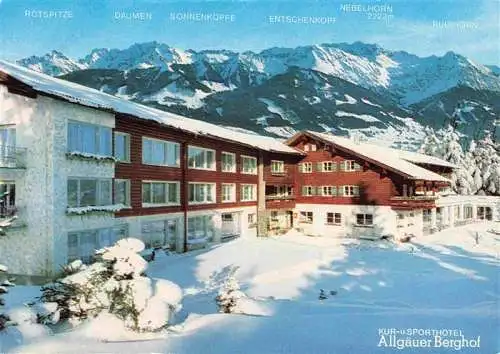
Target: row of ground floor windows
{"points": [[158, 233], [336, 218], [482, 212]]}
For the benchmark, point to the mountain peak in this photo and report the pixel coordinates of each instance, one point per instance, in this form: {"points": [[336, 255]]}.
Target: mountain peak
{"points": [[403, 75]]}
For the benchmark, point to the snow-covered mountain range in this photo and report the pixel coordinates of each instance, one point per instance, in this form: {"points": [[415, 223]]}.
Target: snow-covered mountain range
{"points": [[339, 87]]}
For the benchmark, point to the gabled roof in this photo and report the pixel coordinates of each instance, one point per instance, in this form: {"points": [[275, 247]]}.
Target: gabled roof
{"points": [[385, 157], [75, 93]]}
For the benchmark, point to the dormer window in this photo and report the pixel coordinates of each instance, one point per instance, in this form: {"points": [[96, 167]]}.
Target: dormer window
{"points": [[310, 147]]}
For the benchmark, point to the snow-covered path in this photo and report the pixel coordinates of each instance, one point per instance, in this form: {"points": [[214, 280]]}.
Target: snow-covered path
{"points": [[443, 281]]}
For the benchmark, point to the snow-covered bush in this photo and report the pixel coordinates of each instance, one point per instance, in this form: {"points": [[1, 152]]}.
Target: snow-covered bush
{"points": [[4, 284], [230, 295], [115, 284]]}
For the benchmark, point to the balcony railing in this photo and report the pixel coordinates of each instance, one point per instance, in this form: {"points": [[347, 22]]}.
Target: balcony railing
{"points": [[12, 157], [422, 201], [279, 197], [416, 197], [279, 173], [7, 211]]}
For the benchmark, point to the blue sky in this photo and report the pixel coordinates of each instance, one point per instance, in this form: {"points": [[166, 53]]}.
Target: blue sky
{"points": [[469, 27]]}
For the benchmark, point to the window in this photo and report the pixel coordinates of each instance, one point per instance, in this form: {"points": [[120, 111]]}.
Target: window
{"points": [[8, 152], [249, 165], [228, 162], [7, 199], [159, 233], [160, 193], [308, 190], [327, 166], [427, 215], [201, 158], [88, 192], [252, 220], [7, 193], [277, 166], [364, 219], [333, 218], [274, 216], [160, 152], [248, 192], [328, 190], [350, 191], [228, 192], [201, 193], [457, 212], [350, 166], [83, 244], [89, 138], [306, 217], [488, 213], [283, 190], [122, 191], [310, 147], [484, 213], [7, 136], [122, 147], [468, 211], [305, 167], [273, 191], [200, 229]]}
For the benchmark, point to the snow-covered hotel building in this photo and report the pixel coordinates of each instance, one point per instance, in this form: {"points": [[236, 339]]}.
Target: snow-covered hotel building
{"points": [[81, 169]]}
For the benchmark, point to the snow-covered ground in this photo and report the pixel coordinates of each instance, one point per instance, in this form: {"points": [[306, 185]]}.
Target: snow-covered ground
{"points": [[445, 281]]}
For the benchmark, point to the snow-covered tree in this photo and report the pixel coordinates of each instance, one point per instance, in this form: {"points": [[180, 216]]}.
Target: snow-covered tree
{"points": [[4, 284], [229, 296], [432, 144], [445, 144], [115, 284], [485, 155], [478, 168]]}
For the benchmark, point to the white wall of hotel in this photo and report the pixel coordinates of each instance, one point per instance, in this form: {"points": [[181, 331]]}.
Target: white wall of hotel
{"points": [[41, 193], [384, 220]]}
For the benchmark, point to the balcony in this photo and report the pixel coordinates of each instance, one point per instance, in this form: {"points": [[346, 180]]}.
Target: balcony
{"points": [[415, 201], [280, 197], [277, 201], [279, 176], [279, 173], [12, 157], [10, 219], [7, 212]]}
